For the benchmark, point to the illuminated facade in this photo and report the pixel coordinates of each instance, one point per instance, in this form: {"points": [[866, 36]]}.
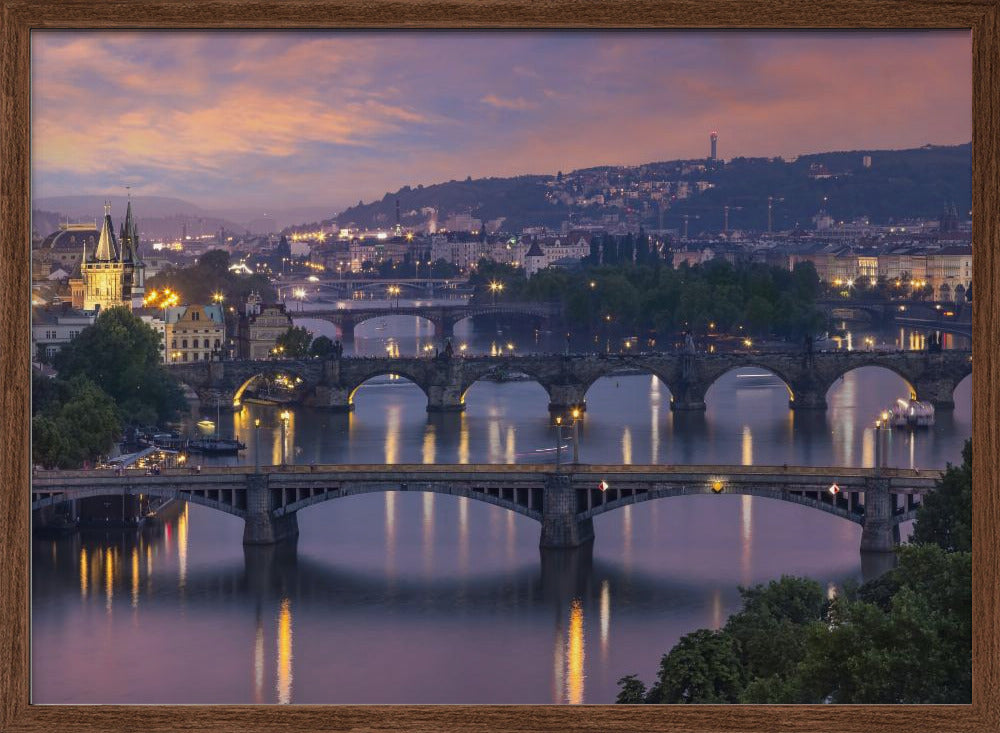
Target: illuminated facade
{"points": [[113, 274]]}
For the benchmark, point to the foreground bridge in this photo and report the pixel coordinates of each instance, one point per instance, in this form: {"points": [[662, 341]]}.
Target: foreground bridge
{"points": [[564, 502], [445, 381], [443, 317]]}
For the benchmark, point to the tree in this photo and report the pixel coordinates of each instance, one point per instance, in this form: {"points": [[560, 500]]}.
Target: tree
{"points": [[945, 516], [82, 428], [702, 668], [121, 355], [294, 343], [321, 346], [633, 690]]}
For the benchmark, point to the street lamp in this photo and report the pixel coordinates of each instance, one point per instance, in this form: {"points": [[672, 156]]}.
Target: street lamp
{"points": [[218, 297], [558, 441], [576, 435], [495, 287], [394, 291], [256, 445], [285, 415]]}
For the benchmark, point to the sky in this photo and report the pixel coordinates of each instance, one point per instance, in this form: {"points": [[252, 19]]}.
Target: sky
{"points": [[288, 119]]}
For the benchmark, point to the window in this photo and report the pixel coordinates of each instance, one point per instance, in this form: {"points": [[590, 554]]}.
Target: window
{"points": [[217, 344], [184, 356], [195, 316], [205, 343], [184, 343], [194, 356], [173, 343]]}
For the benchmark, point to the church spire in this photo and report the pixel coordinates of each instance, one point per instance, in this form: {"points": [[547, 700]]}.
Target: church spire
{"points": [[106, 246], [129, 236]]}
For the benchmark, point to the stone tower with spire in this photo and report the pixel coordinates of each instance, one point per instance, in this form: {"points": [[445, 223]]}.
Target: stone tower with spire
{"points": [[109, 273], [129, 238]]}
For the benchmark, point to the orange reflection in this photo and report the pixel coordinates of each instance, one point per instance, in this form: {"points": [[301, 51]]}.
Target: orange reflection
{"points": [[83, 572], [285, 653], [575, 654]]}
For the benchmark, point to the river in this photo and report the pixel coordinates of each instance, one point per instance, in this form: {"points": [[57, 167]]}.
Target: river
{"points": [[423, 598]]}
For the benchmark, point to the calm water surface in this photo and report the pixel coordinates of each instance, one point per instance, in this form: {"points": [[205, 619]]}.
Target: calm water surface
{"points": [[422, 598]]}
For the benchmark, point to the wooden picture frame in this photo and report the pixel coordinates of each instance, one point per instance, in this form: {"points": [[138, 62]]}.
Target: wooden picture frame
{"points": [[20, 17]]}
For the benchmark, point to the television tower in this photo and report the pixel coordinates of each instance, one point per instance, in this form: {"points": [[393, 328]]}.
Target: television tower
{"points": [[714, 137]]}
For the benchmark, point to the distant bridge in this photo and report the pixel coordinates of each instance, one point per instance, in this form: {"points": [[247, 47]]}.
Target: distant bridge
{"points": [[564, 502], [443, 317], [332, 383]]}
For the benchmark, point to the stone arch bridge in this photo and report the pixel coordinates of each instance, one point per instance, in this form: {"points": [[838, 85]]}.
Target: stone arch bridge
{"points": [[445, 381], [564, 502], [443, 317]]}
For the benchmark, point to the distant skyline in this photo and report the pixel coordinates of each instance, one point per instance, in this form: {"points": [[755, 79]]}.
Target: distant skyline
{"points": [[275, 120]]}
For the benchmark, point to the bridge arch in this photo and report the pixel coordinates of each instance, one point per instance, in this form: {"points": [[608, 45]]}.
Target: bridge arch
{"points": [[834, 505], [204, 498], [387, 371], [275, 371], [498, 372], [504, 498], [714, 377], [372, 316], [907, 380], [500, 312]]}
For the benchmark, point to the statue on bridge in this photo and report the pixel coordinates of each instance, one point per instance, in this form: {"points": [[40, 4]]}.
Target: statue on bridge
{"points": [[448, 350], [688, 343]]}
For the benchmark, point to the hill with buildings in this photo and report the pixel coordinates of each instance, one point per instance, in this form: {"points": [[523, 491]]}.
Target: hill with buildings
{"points": [[884, 186]]}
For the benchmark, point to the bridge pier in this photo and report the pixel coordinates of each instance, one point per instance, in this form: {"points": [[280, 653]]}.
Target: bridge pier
{"points": [[939, 392], [879, 533], [560, 527], [447, 398], [331, 397], [689, 397], [564, 399], [807, 399], [261, 526]]}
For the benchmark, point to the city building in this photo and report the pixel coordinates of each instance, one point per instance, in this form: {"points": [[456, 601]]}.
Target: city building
{"points": [[53, 328], [112, 274], [259, 327], [194, 333]]}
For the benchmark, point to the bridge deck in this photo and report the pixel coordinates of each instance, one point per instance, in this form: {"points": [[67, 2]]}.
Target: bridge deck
{"points": [[459, 472]]}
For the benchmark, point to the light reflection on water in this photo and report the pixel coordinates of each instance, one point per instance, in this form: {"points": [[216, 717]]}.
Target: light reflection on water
{"points": [[406, 598]]}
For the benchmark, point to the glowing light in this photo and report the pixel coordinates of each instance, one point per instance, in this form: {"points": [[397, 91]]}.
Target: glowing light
{"points": [[575, 654], [834, 489], [284, 683], [717, 486]]}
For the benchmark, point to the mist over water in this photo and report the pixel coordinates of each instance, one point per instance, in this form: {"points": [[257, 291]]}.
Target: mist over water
{"points": [[424, 598]]}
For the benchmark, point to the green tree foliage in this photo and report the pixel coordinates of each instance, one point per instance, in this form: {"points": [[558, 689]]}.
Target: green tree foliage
{"points": [[633, 690], [121, 355], [295, 342], [321, 346], [765, 301], [945, 517], [702, 668], [81, 427], [211, 275]]}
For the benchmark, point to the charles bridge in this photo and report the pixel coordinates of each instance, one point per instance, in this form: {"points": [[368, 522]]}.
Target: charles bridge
{"points": [[445, 379], [564, 501]]}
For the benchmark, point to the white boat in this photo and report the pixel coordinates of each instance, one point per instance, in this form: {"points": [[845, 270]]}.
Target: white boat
{"points": [[911, 414]]}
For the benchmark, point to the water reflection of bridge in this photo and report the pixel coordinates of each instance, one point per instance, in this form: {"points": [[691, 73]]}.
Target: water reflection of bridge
{"points": [[564, 502]]}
